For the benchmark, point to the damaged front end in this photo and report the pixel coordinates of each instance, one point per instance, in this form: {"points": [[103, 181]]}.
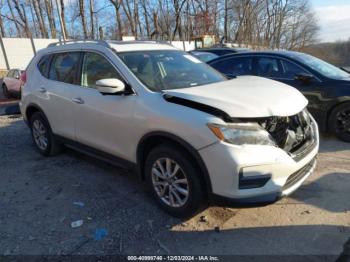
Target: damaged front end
{"points": [[294, 134]]}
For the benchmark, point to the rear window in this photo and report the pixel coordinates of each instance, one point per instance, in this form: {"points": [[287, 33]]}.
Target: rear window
{"points": [[43, 65], [9, 74], [16, 74], [64, 67]]}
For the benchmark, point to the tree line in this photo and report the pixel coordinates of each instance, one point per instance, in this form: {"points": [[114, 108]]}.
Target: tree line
{"points": [[337, 53], [289, 24]]}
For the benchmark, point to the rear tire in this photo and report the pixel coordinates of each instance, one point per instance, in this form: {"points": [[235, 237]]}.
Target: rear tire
{"points": [[339, 122], [5, 91], [42, 135], [169, 187]]}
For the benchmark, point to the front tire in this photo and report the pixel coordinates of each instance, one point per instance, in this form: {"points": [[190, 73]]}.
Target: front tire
{"points": [[42, 135], [339, 122], [174, 181]]}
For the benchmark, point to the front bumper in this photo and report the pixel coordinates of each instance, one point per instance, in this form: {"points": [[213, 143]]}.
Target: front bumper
{"points": [[228, 165]]}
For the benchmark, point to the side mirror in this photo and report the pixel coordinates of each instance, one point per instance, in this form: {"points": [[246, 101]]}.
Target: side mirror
{"points": [[110, 86], [305, 78], [230, 76]]}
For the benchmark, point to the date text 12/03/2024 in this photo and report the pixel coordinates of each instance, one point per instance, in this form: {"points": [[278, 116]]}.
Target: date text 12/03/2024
{"points": [[173, 258]]}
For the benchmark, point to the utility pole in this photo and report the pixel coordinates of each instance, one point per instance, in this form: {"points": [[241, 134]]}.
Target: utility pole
{"points": [[4, 52], [32, 43], [58, 7]]}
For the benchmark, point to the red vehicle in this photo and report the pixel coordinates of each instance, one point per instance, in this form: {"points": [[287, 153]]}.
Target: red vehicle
{"points": [[12, 83]]}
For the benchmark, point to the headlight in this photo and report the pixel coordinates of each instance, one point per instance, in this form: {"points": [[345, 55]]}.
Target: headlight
{"points": [[242, 134]]}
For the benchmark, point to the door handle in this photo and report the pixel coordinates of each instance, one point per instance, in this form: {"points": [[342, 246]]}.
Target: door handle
{"points": [[78, 100], [42, 90]]}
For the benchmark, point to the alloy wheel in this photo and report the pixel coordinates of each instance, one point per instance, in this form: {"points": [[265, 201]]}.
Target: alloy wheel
{"points": [[343, 121], [40, 134], [170, 182]]}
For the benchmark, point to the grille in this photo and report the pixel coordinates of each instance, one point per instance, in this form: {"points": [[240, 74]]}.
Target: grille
{"points": [[300, 174], [294, 134]]}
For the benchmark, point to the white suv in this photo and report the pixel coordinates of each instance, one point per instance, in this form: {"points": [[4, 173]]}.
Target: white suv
{"points": [[190, 133]]}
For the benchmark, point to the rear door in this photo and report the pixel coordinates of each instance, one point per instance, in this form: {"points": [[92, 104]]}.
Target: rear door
{"points": [[103, 122], [56, 93]]}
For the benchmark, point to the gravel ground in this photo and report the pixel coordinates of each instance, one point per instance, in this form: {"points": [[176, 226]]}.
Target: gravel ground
{"points": [[37, 196]]}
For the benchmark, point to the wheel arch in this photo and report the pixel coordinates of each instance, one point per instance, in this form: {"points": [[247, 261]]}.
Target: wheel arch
{"points": [[153, 139], [340, 101], [31, 109]]}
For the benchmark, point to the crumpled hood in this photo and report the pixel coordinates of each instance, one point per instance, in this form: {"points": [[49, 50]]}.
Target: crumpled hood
{"points": [[246, 97]]}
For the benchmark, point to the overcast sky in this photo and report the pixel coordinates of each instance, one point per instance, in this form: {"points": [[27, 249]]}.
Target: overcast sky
{"points": [[334, 19]]}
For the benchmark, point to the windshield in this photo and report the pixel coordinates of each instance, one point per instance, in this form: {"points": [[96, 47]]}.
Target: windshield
{"points": [[204, 56], [167, 69], [323, 67]]}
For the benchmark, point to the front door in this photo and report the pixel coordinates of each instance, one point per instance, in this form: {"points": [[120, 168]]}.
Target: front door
{"points": [[103, 122], [286, 71]]}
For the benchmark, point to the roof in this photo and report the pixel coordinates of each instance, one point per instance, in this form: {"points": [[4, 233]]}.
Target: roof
{"points": [[119, 46], [216, 48], [271, 52], [279, 53], [126, 46]]}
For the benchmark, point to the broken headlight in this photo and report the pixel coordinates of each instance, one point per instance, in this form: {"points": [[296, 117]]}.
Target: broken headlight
{"points": [[242, 134]]}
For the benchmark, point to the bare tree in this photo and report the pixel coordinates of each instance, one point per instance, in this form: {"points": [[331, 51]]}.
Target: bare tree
{"points": [[51, 18], [129, 13], [41, 12], [13, 18], [2, 28], [92, 25], [39, 19], [117, 5], [178, 5], [146, 16], [63, 17], [272, 24], [23, 17], [83, 18]]}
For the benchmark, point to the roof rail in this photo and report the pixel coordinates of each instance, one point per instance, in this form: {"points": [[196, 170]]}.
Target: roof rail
{"points": [[150, 40], [100, 42]]}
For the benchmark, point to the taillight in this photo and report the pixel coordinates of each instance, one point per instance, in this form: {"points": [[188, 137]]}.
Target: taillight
{"points": [[23, 77]]}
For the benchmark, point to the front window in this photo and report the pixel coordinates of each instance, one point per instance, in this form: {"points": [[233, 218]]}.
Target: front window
{"points": [[96, 67], [322, 67], [291, 70], [163, 70], [234, 66]]}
